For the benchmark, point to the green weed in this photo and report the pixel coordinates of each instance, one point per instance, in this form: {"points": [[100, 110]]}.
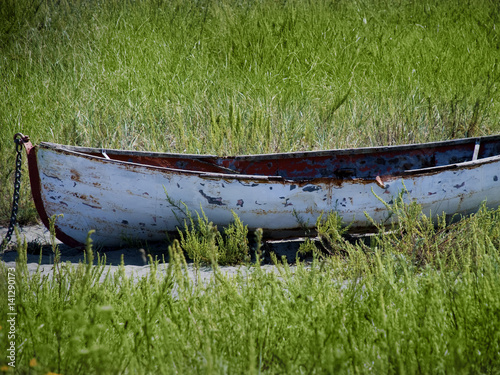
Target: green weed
{"points": [[205, 244]]}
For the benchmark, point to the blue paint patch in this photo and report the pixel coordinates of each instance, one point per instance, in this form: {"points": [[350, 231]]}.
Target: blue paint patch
{"points": [[311, 188], [212, 200]]}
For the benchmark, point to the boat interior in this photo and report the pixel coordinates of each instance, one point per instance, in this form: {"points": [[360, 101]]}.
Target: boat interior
{"points": [[340, 164]]}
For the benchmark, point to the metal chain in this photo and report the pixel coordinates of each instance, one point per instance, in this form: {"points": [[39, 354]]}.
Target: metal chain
{"points": [[18, 139]]}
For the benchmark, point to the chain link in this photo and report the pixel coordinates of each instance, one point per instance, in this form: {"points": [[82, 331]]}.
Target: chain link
{"points": [[19, 140]]}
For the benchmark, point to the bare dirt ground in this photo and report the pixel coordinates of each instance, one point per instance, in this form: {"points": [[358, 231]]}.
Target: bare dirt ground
{"points": [[41, 255]]}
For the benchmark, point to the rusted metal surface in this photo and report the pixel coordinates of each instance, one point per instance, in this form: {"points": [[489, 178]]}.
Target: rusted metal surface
{"points": [[141, 196]]}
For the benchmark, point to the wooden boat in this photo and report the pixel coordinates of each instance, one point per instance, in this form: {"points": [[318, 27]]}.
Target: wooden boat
{"points": [[126, 195]]}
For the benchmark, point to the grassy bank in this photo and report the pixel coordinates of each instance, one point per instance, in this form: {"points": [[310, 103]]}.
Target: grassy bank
{"points": [[396, 306], [231, 77]]}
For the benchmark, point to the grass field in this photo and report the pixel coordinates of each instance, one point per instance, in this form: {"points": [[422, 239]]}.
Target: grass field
{"points": [[229, 77]]}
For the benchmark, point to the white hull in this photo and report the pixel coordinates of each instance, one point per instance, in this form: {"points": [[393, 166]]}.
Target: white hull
{"points": [[124, 201]]}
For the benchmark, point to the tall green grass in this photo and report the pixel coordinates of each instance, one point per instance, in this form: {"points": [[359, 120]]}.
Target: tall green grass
{"points": [[377, 308], [232, 77]]}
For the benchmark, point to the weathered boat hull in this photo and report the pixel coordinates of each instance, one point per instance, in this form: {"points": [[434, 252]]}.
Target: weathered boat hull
{"points": [[127, 200]]}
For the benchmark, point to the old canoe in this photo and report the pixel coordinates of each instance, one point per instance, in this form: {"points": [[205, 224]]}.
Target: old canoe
{"points": [[125, 195]]}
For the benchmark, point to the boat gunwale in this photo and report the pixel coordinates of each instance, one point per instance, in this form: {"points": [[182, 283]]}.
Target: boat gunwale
{"points": [[465, 164], [202, 174], [87, 151], [291, 155]]}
